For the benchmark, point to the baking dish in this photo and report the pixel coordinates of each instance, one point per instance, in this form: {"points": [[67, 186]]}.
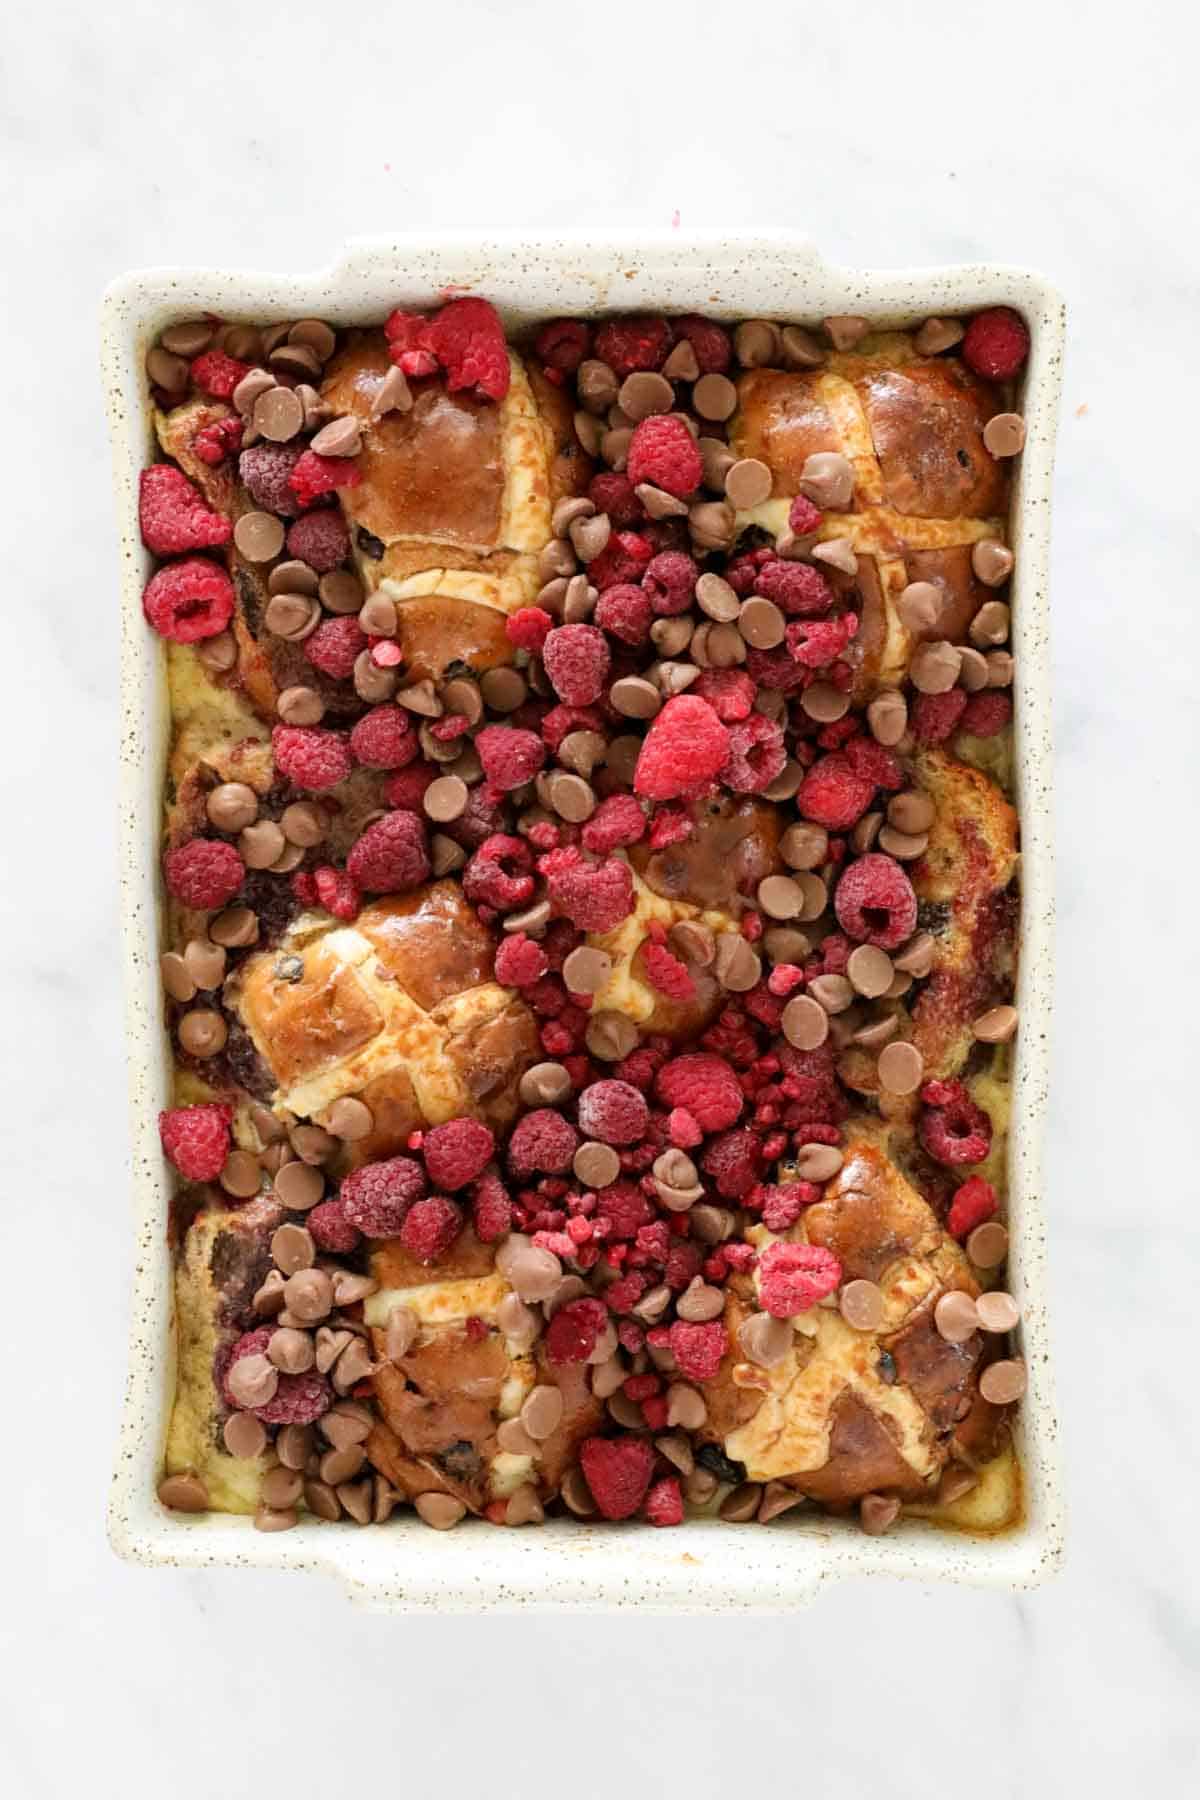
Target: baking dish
{"points": [[568, 1564]]}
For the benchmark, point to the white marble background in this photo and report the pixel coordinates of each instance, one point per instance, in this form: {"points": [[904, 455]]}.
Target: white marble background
{"points": [[1045, 134]]}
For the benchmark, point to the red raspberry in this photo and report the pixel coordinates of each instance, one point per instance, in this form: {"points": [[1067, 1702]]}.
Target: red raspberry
{"points": [[986, 714], [756, 755], [577, 661], [335, 645], [782, 1206], [957, 1132], [217, 373], [298, 1400], [196, 1139], [251, 1343], [336, 892], [627, 1209], [815, 643], [635, 341], [670, 581], [204, 873], [663, 451], [626, 613], [730, 693], [664, 1503], [616, 822], [705, 1085], [698, 1349], [384, 739], [671, 826], [560, 721], [574, 1330], [803, 517], [528, 628], [468, 340], [613, 1112], [683, 1264], [309, 757], [405, 790], [509, 757], [265, 470], [332, 1231], [520, 961], [875, 903], [408, 343], [376, 1198], [617, 1471], [775, 669], [304, 887], [320, 539], [188, 600], [793, 1277], [543, 1143], [217, 441], [173, 514], [623, 558], [498, 873], [733, 1160], [594, 896], [667, 973], [710, 342], [935, 717], [391, 856], [682, 1129], [315, 475], [685, 747], [491, 1209], [458, 1151], [973, 1202], [562, 345], [430, 1227], [996, 343], [831, 794], [875, 764], [613, 494], [798, 589]]}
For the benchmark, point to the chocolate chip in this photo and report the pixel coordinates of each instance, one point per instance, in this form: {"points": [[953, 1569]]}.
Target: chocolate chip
{"points": [[371, 682], [622, 758], [757, 343], [341, 592], [748, 483], [920, 606], [183, 1493], [901, 1068], [736, 965], [445, 799], [805, 1023], [816, 897], [571, 797], [241, 1176], [998, 1312], [292, 616], [634, 698], [586, 970], [804, 846], [545, 1084], [861, 1305], [202, 1033], [765, 1340], [862, 837], [643, 394], [887, 716], [659, 505], [934, 667], [761, 623], [349, 1119], [300, 706], [784, 945], [833, 992], [258, 536], [987, 1245], [870, 970], [996, 1026], [231, 805], [904, 846], [716, 460], [299, 1186], [611, 1036], [824, 702], [168, 372], [236, 927], [827, 479], [278, 414], [878, 1513], [303, 823], [916, 957], [845, 330], [1000, 668], [712, 523], [715, 598], [596, 1165], [742, 1504], [780, 897], [614, 447], [787, 783], [1002, 1382], [218, 653], [1004, 434], [714, 397], [392, 395], [992, 562], [955, 1317]]}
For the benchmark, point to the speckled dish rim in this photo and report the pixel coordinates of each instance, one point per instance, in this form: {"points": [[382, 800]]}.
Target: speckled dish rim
{"points": [[707, 1566]]}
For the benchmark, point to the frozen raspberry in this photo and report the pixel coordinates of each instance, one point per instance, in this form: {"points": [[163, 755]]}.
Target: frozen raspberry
{"points": [[671, 825], [560, 721], [298, 1400], [710, 341], [775, 669], [304, 886], [204, 873], [803, 517], [188, 600], [332, 1231], [957, 1131], [542, 1142], [562, 345], [407, 337], [616, 822], [309, 757], [574, 1330], [336, 892], [875, 903], [215, 442], [405, 789], [314, 475], [682, 1129], [756, 755], [798, 589], [218, 374], [627, 1209], [986, 714], [685, 747], [635, 341], [577, 661], [468, 340], [670, 581], [391, 856], [173, 514], [698, 1349], [613, 494], [667, 973], [455, 1153], [520, 961], [663, 1504], [832, 795], [384, 739], [265, 470], [705, 1085], [320, 539], [663, 452], [793, 1277], [498, 874], [617, 1471], [491, 1209], [595, 896], [996, 343], [376, 1198], [875, 764], [815, 643], [623, 558], [730, 693], [782, 1205], [625, 612], [734, 1161], [196, 1139], [509, 757], [528, 628], [335, 645], [935, 717], [613, 1112], [973, 1202]]}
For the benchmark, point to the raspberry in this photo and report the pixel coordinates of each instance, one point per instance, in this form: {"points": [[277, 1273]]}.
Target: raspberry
{"points": [[797, 589], [956, 1132], [314, 475], [627, 1210], [663, 451], [782, 1206], [775, 669], [617, 1471], [974, 1202], [671, 826], [574, 1330], [831, 794], [196, 1139], [803, 517], [304, 887], [320, 539], [336, 892], [215, 442], [756, 755], [520, 961], [577, 661], [173, 514], [391, 856], [623, 558], [528, 628], [217, 373], [542, 1142], [456, 1152], [635, 341], [705, 1085], [204, 873], [405, 790], [376, 1198], [810, 1084], [332, 1231], [683, 1265], [408, 343], [996, 343], [613, 1112], [309, 757], [613, 494], [682, 1129], [685, 747], [594, 896], [663, 1504], [626, 613], [793, 1277], [667, 973], [335, 645], [509, 757], [874, 764], [265, 470], [875, 903], [698, 1349], [986, 714], [560, 721], [815, 643], [617, 821], [468, 340], [670, 581], [498, 873], [298, 1400], [733, 1161], [710, 343], [491, 1209], [251, 1343], [384, 739], [936, 716], [730, 693], [562, 345], [188, 600]]}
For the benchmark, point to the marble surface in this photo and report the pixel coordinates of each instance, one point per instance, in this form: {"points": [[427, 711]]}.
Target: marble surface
{"points": [[135, 134]]}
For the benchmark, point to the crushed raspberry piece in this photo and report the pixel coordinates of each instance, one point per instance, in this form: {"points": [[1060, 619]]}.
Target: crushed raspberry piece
{"points": [[683, 1263], [408, 343], [391, 856], [498, 874], [613, 1112], [320, 539], [776, 669], [298, 1400], [635, 341], [510, 757], [973, 1202], [542, 1142], [616, 822], [617, 1471], [875, 764], [730, 693], [528, 628], [623, 558], [832, 795], [957, 1131], [520, 961], [685, 747], [782, 1205], [335, 645], [332, 1231], [757, 755], [173, 514], [196, 1139], [698, 1349], [265, 471], [793, 1277], [671, 825], [491, 1209], [310, 757], [705, 1085], [784, 979], [430, 1227], [218, 374], [986, 714], [458, 1151], [336, 892], [663, 451], [663, 1504], [562, 345], [304, 887], [204, 873], [577, 661], [936, 716], [613, 494], [798, 589], [467, 338], [667, 973], [815, 643], [683, 1129], [188, 600], [594, 896], [377, 1197], [710, 341], [384, 739], [572, 1333], [803, 517], [625, 612], [560, 721], [733, 1161], [627, 1210], [996, 343], [875, 903], [406, 788], [214, 443], [314, 475], [670, 581]]}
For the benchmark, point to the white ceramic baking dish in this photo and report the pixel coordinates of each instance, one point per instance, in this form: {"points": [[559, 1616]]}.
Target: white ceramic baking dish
{"points": [[565, 1564]]}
